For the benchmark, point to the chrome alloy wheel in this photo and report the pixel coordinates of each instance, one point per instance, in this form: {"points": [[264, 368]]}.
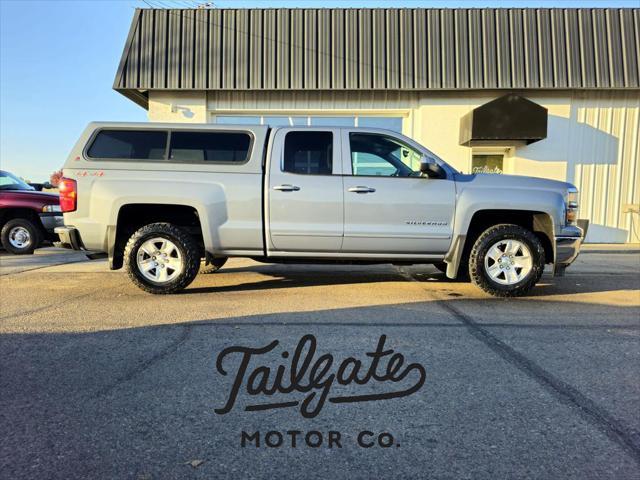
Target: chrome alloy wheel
{"points": [[159, 260], [508, 261], [19, 237]]}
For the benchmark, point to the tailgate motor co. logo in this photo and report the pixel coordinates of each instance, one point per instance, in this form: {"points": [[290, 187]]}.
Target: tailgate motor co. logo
{"points": [[306, 380]]}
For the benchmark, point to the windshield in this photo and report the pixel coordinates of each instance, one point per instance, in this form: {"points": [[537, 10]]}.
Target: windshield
{"points": [[11, 182]]}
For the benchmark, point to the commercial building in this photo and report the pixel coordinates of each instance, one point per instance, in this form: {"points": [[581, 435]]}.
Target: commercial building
{"points": [[551, 93]]}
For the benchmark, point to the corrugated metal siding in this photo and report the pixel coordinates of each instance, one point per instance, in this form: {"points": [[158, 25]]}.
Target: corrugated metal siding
{"points": [[382, 49], [603, 164]]}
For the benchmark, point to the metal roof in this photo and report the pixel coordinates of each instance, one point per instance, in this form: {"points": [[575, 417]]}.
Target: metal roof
{"points": [[380, 49]]}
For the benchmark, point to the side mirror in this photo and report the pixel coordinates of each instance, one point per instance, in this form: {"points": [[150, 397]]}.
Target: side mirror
{"points": [[432, 169], [47, 185]]}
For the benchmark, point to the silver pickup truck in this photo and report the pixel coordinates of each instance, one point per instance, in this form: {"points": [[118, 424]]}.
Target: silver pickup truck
{"points": [[165, 199]]}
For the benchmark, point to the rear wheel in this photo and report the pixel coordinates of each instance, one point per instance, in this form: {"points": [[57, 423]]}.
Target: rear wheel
{"points": [[210, 264], [162, 258], [506, 261], [20, 236]]}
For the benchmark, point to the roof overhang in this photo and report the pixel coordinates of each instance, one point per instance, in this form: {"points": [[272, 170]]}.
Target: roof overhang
{"points": [[510, 119], [390, 49]]}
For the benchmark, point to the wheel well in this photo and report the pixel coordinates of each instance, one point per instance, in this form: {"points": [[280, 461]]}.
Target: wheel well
{"points": [[11, 213], [133, 216], [537, 222]]}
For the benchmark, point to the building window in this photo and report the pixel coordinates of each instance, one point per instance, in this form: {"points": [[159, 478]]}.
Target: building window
{"points": [[333, 121], [209, 146], [282, 121], [309, 153], [238, 120], [487, 163], [389, 123]]}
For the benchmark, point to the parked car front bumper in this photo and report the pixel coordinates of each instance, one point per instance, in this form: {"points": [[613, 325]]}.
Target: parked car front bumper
{"points": [[567, 246], [51, 220]]}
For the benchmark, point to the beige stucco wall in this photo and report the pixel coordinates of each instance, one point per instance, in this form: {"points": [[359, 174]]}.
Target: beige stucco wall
{"points": [[180, 107], [592, 141]]}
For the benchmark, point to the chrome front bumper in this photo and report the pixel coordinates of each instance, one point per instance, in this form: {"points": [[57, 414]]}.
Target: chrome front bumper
{"points": [[567, 246], [51, 220]]}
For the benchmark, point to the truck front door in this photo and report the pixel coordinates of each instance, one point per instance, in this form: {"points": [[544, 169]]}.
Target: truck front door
{"points": [[304, 194], [389, 207]]}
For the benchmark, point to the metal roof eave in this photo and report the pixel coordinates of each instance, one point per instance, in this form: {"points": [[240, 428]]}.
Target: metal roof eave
{"points": [[138, 97]]}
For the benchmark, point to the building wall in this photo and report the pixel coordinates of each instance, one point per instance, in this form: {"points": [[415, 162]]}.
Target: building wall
{"points": [[593, 138]]}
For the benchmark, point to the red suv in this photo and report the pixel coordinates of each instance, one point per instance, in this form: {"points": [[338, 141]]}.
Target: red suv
{"points": [[27, 217]]}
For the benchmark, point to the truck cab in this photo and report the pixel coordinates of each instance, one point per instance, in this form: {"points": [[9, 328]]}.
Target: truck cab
{"points": [[161, 199]]}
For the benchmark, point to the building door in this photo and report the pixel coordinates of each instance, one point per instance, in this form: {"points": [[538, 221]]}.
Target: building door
{"points": [[305, 194], [389, 207]]}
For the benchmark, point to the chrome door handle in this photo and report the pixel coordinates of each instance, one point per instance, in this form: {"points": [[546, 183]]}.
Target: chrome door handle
{"points": [[361, 189], [286, 188]]}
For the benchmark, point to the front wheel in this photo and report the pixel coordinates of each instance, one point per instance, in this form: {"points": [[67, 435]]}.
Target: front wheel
{"points": [[162, 258], [20, 236], [506, 261]]}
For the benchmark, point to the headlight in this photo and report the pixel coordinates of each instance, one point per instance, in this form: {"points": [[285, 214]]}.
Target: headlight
{"points": [[51, 208], [571, 206]]}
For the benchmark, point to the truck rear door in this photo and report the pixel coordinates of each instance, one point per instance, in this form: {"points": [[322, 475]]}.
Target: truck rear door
{"points": [[304, 191]]}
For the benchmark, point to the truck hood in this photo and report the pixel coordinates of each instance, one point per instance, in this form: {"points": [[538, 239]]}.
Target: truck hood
{"points": [[43, 197], [495, 181]]}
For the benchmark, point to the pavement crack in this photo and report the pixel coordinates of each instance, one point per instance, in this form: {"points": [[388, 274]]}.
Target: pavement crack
{"points": [[47, 307], [40, 267], [627, 438], [146, 364], [568, 394]]}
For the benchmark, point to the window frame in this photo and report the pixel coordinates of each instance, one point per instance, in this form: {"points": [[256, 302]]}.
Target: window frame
{"points": [[335, 150], [94, 136], [165, 158], [507, 152], [349, 158], [209, 162]]}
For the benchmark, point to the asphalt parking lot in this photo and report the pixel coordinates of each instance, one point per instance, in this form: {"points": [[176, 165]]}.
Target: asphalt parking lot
{"points": [[100, 380]]}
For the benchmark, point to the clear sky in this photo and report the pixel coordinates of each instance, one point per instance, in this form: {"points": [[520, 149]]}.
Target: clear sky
{"points": [[58, 60]]}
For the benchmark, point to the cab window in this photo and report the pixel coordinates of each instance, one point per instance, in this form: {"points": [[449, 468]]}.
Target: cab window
{"points": [[380, 155], [309, 153]]}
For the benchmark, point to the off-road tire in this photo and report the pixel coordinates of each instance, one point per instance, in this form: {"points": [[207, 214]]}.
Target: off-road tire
{"points": [[35, 234], [488, 238], [211, 264], [189, 249]]}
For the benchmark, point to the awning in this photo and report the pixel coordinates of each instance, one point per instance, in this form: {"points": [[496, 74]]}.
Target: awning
{"points": [[510, 118]]}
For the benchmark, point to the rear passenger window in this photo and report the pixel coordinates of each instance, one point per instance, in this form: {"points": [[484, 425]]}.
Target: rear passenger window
{"points": [[129, 144], [209, 146], [308, 153]]}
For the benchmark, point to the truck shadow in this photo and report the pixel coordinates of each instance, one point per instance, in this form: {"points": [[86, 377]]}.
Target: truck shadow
{"points": [[280, 276]]}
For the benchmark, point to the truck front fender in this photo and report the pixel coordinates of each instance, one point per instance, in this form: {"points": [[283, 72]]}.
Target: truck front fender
{"points": [[543, 208]]}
